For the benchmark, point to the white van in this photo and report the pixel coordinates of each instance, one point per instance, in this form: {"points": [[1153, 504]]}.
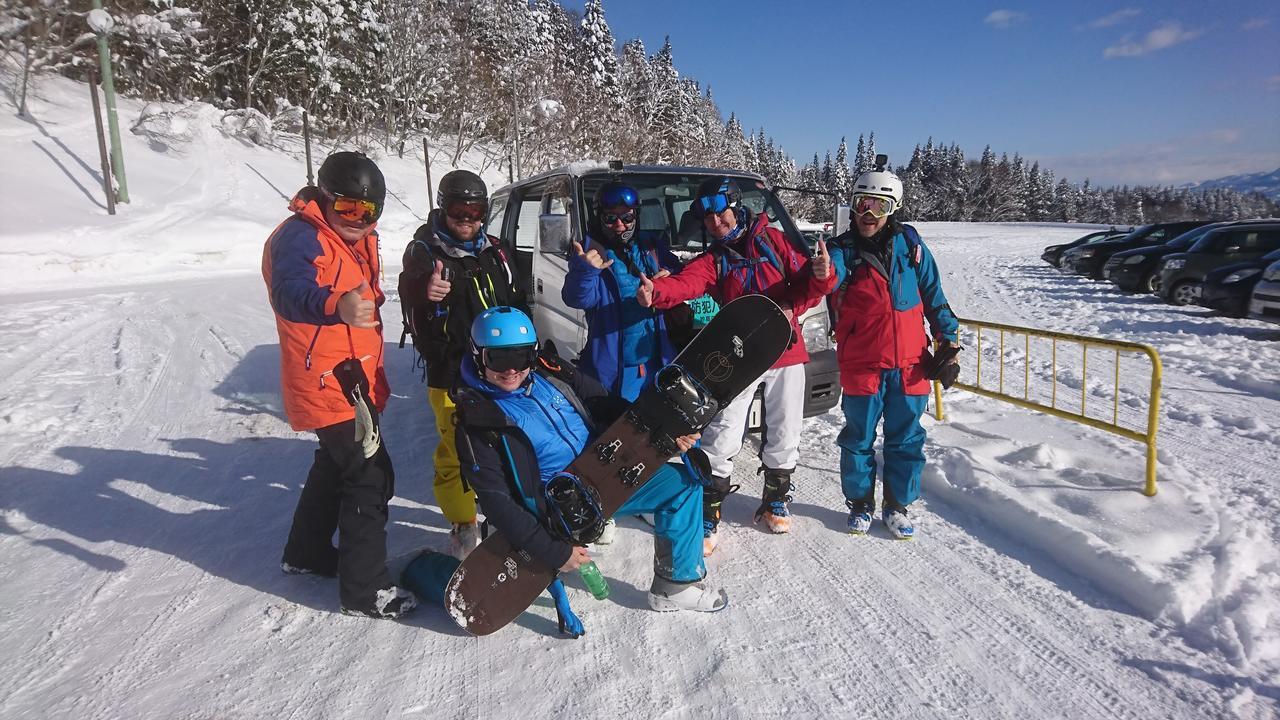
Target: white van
{"points": [[540, 216]]}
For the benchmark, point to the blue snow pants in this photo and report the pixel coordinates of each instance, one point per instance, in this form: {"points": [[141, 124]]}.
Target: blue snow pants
{"points": [[903, 442], [674, 496]]}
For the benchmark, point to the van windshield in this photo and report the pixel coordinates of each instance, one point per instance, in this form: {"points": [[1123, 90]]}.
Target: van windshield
{"points": [[665, 201]]}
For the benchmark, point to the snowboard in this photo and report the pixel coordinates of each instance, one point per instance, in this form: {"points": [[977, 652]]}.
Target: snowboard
{"points": [[497, 581]]}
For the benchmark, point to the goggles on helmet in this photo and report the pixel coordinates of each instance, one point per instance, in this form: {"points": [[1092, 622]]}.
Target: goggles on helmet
{"points": [[712, 204], [505, 359], [878, 206], [356, 209], [467, 210], [609, 218]]}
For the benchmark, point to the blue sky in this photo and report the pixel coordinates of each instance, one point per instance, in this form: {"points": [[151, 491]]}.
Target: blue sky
{"points": [[1118, 92]]}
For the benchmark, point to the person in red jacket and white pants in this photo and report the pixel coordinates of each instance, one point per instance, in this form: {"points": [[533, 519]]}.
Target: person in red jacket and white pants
{"points": [[749, 257]]}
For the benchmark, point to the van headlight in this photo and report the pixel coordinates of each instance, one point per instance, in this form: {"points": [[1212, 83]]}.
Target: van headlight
{"points": [[1239, 275], [1174, 264], [1134, 259], [816, 332]]}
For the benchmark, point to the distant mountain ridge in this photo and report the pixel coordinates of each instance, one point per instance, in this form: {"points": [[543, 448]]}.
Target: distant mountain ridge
{"points": [[1267, 183]]}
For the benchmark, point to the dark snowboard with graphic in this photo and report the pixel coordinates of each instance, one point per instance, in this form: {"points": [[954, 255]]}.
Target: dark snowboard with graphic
{"points": [[497, 582]]}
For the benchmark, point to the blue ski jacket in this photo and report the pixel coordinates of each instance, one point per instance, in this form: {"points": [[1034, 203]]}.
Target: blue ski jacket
{"points": [[606, 304], [510, 443]]}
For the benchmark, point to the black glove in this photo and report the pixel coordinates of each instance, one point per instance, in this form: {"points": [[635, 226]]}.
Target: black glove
{"points": [[940, 367]]}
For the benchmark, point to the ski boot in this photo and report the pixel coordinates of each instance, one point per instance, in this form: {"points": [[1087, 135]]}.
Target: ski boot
{"points": [[669, 596], [773, 506], [389, 604], [712, 496], [899, 525], [860, 512], [463, 538]]}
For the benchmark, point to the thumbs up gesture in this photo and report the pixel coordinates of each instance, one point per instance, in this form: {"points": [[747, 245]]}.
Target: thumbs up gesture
{"points": [[355, 310], [437, 286], [644, 293], [592, 256], [822, 262]]}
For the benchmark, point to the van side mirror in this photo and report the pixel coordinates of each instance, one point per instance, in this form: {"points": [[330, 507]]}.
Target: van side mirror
{"points": [[553, 233], [840, 220]]}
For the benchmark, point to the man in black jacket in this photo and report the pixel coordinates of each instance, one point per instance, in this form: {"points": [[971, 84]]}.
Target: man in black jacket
{"points": [[520, 427], [452, 272]]}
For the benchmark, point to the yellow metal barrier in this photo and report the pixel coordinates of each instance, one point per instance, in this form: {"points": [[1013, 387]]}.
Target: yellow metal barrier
{"points": [[1153, 404]]}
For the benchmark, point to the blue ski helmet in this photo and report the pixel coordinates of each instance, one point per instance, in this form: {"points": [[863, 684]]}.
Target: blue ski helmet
{"points": [[502, 327], [503, 339], [615, 194]]}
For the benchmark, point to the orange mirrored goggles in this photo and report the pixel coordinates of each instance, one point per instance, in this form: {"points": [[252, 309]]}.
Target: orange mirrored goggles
{"points": [[356, 209], [876, 205]]}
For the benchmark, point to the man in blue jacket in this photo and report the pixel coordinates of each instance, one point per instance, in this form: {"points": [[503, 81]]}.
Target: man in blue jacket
{"points": [[626, 343], [518, 428]]}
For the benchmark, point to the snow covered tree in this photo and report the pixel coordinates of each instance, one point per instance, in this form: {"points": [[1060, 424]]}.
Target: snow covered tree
{"points": [[841, 183]]}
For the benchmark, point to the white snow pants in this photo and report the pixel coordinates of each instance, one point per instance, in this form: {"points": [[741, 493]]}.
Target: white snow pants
{"points": [[784, 390]]}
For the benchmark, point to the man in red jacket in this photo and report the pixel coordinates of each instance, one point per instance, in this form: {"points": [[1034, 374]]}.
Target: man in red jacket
{"points": [[321, 271], [749, 257]]}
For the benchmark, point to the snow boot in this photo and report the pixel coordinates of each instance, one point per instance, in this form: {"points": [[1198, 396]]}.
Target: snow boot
{"points": [[288, 569], [463, 538], [390, 603], [669, 596], [859, 516], [899, 525], [773, 506], [712, 496]]}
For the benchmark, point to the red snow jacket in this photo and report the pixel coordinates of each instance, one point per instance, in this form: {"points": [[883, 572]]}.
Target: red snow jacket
{"points": [[745, 267], [881, 320], [307, 267]]}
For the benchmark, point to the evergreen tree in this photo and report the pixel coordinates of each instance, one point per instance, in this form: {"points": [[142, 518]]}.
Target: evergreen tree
{"points": [[841, 183]]}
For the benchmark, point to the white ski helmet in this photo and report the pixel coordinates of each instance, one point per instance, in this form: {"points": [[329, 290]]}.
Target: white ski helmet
{"points": [[879, 182]]}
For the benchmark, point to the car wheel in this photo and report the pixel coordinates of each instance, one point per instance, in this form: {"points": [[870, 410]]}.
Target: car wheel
{"points": [[1150, 283], [1184, 293]]}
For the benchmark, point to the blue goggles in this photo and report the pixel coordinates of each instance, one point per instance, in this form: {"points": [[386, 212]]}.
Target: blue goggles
{"points": [[711, 204]]}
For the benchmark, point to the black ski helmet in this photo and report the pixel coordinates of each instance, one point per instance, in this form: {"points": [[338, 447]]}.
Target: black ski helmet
{"points": [[461, 185], [351, 174], [713, 186]]}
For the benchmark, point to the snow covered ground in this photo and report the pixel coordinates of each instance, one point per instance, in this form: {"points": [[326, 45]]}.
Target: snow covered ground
{"points": [[147, 479]]}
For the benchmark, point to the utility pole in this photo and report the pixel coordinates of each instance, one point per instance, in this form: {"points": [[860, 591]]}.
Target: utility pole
{"points": [[102, 144], [101, 22], [306, 142]]}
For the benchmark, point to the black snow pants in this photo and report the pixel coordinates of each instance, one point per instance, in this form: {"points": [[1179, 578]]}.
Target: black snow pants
{"points": [[349, 494]]}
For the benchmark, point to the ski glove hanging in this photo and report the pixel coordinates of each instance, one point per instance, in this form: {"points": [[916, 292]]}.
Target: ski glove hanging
{"points": [[355, 387]]}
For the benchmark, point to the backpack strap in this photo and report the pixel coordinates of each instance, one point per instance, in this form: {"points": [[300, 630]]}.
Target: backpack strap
{"points": [[914, 246]]}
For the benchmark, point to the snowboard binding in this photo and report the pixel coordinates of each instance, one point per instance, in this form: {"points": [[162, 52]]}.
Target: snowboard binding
{"points": [[573, 509]]}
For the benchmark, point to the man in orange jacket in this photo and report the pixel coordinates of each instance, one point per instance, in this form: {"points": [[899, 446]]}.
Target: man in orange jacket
{"points": [[321, 270]]}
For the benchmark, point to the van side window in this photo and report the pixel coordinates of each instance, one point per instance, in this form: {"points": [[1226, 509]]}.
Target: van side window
{"points": [[527, 230], [494, 224]]}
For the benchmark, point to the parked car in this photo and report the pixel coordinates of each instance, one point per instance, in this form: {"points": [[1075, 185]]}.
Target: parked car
{"points": [[540, 217], [1182, 273], [1090, 259], [1138, 270], [1265, 303], [1229, 288], [1053, 253]]}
